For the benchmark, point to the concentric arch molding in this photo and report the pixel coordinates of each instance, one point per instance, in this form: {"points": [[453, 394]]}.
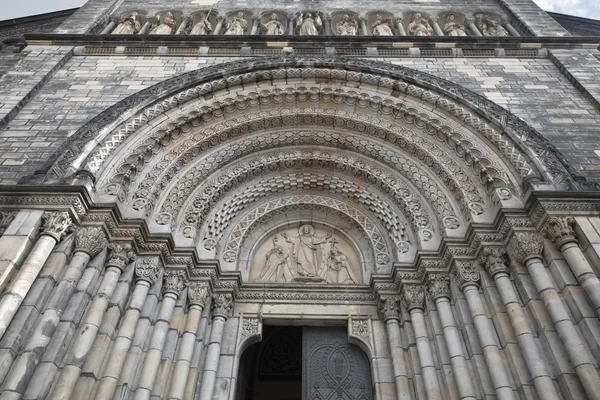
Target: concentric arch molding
{"points": [[68, 159]]}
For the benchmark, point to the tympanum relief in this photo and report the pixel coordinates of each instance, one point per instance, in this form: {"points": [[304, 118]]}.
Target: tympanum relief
{"points": [[237, 25], [382, 26], [203, 26], [347, 26], [309, 23], [420, 26], [164, 26], [273, 26], [305, 254], [130, 25], [453, 28]]}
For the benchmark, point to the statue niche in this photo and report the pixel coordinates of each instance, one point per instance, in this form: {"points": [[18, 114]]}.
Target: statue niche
{"points": [[307, 256]]}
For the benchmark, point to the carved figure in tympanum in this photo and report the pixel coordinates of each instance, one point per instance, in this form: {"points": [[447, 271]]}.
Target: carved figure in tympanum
{"points": [[382, 27], [347, 26], [309, 24], [420, 26], [453, 28], [164, 27], [130, 25], [273, 27], [203, 27], [237, 25]]}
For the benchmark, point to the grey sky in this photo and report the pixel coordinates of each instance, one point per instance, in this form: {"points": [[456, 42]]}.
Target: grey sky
{"points": [[20, 8]]}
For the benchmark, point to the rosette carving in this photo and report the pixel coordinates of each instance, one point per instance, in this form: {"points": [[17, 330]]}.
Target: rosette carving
{"points": [[466, 273], [561, 230], [495, 260], [121, 254], [525, 245], [198, 293], [222, 304], [56, 224], [414, 297], [389, 307], [90, 240], [174, 282], [148, 268], [438, 285]]}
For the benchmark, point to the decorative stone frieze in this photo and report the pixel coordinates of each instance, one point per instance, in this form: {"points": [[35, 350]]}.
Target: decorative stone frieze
{"points": [[222, 304], [525, 245], [561, 230], [250, 327], [174, 281], [438, 285], [148, 268], [120, 255], [198, 293], [414, 297], [389, 307], [56, 224], [360, 328], [90, 240], [6, 217], [495, 260], [466, 273]]}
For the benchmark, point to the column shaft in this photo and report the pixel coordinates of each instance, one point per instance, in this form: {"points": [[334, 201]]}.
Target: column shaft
{"points": [[195, 368], [584, 273], [213, 354], [398, 362], [109, 28], [432, 385]]}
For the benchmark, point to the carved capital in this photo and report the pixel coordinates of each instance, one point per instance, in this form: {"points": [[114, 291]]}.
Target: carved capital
{"points": [[56, 224], [90, 240], [466, 273], [561, 230], [148, 268], [414, 296], [438, 285], [389, 307], [198, 293], [495, 260], [525, 245], [121, 254], [174, 281], [222, 304]]}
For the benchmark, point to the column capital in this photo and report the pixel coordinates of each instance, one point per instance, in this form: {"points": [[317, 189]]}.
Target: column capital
{"points": [[525, 245], [560, 230], [222, 304], [148, 268], [174, 281], [466, 273], [198, 293], [121, 254], [389, 307], [495, 260], [56, 224], [414, 296], [90, 240], [438, 285]]}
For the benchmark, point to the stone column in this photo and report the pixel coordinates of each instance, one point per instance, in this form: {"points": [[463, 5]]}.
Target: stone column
{"points": [[291, 25], [109, 28], [197, 357], [197, 295], [400, 27], [56, 225], [438, 286], [473, 27], [184, 24], [89, 241], [146, 27], [363, 27], [147, 270], [467, 279], [173, 283], [255, 24], [436, 28], [495, 261], [560, 231], [389, 307], [511, 29], [219, 26], [222, 305], [414, 296], [327, 30], [526, 248], [121, 255]]}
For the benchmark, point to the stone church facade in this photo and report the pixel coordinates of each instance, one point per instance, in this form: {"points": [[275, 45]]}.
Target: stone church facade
{"points": [[300, 200]]}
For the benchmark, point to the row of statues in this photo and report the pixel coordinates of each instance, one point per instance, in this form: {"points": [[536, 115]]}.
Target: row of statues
{"points": [[311, 24]]}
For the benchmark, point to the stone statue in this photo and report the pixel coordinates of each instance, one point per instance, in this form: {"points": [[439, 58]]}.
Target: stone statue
{"points": [[304, 251], [167, 27], [273, 27], [277, 266], [490, 27], [382, 27], [419, 26], [338, 267], [453, 28], [347, 26], [309, 25], [237, 25], [130, 25], [204, 27]]}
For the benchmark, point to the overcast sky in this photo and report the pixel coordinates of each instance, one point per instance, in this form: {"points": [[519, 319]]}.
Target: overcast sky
{"points": [[20, 8]]}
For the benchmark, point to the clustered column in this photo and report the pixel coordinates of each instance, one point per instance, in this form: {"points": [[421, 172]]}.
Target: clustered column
{"points": [[526, 248]]}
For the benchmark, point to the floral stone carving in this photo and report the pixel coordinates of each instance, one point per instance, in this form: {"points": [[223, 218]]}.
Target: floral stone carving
{"points": [[90, 240]]}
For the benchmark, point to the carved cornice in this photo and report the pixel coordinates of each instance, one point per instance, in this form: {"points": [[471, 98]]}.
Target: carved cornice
{"points": [[148, 268], [90, 240], [389, 307], [495, 260], [174, 281], [222, 305], [56, 224], [561, 230], [438, 285], [466, 273], [414, 297], [198, 293], [525, 245], [120, 255]]}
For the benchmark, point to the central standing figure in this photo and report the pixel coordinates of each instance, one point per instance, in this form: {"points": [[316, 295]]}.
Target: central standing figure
{"points": [[304, 251]]}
